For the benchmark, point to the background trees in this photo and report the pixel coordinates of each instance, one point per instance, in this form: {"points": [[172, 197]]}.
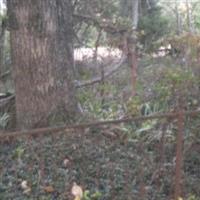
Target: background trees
{"points": [[145, 31]]}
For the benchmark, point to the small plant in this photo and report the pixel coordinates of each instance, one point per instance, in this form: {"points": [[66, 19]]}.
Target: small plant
{"points": [[18, 154], [4, 119], [193, 197], [134, 105], [87, 195], [175, 88]]}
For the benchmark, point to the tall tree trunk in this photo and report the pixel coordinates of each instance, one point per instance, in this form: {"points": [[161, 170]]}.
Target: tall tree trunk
{"points": [[189, 17], [132, 61], [131, 40], [125, 6], [2, 41], [42, 58], [178, 19], [135, 13]]}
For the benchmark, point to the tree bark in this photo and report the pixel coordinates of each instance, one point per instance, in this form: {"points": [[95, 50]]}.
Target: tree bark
{"points": [[125, 8], [42, 58], [131, 40], [132, 62], [178, 19], [2, 41], [135, 13], [189, 17]]}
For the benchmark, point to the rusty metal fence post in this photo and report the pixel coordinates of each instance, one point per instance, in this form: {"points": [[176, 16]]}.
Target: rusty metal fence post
{"points": [[179, 156]]}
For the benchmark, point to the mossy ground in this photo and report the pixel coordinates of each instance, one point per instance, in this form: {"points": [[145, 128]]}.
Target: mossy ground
{"points": [[118, 170]]}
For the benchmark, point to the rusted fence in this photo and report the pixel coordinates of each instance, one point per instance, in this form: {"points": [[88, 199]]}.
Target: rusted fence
{"points": [[115, 145]]}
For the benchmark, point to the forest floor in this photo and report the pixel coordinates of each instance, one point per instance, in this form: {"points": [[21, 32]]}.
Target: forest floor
{"points": [[45, 167], [129, 166]]}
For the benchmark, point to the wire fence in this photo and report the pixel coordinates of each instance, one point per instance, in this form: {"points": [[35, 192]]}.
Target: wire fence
{"points": [[157, 163]]}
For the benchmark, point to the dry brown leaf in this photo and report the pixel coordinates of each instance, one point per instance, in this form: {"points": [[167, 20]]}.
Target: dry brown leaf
{"points": [[25, 187], [27, 191], [66, 162], [24, 184], [49, 189], [77, 191]]}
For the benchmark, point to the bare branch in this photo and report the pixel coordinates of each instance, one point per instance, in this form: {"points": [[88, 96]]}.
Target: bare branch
{"points": [[5, 101], [95, 80], [105, 25], [4, 75]]}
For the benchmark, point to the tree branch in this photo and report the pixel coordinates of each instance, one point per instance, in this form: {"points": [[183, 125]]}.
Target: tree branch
{"points": [[105, 25], [114, 68], [5, 74], [5, 101]]}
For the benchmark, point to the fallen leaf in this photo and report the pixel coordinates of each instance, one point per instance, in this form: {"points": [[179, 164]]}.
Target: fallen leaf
{"points": [[66, 162], [49, 189], [24, 185], [77, 191], [27, 191]]}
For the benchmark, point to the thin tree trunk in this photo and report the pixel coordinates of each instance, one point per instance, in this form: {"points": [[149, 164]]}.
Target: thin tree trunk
{"points": [[189, 18], [135, 13], [178, 19], [132, 51], [130, 41], [124, 8], [2, 41], [95, 55], [133, 62], [42, 58]]}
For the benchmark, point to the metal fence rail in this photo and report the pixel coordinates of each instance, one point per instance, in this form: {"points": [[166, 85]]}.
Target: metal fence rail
{"points": [[41, 131]]}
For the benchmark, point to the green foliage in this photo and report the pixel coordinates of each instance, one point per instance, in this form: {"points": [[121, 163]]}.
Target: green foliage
{"points": [[174, 87], [134, 105], [4, 120], [99, 105], [91, 196], [146, 126], [103, 12], [152, 27], [187, 46], [18, 152], [193, 197], [87, 35]]}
